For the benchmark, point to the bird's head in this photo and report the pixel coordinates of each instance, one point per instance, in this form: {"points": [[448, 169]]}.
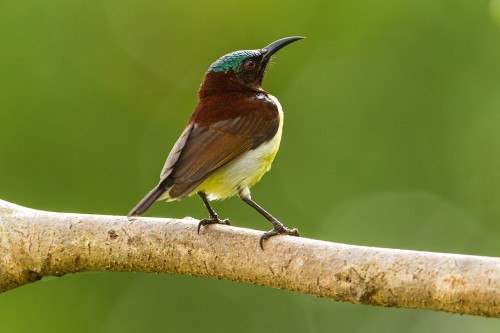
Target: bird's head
{"points": [[241, 70]]}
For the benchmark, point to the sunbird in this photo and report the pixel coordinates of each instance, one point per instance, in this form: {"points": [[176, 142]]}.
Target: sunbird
{"points": [[230, 140]]}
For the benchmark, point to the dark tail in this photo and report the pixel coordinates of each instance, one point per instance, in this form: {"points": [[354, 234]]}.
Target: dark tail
{"points": [[149, 199]]}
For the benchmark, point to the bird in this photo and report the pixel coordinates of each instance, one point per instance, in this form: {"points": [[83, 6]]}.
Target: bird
{"points": [[230, 140]]}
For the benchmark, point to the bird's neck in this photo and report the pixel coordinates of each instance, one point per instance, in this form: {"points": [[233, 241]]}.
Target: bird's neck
{"points": [[218, 83]]}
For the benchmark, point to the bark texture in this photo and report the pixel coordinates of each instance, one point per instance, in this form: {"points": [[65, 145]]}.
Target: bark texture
{"points": [[37, 243]]}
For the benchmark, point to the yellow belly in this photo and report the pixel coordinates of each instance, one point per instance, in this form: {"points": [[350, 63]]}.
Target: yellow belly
{"points": [[244, 171]]}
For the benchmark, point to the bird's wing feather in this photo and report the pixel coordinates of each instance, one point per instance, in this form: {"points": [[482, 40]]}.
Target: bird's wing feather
{"points": [[175, 152], [208, 146]]}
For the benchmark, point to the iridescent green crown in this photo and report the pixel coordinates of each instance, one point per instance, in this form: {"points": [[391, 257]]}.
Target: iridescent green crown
{"points": [[232, 61]]}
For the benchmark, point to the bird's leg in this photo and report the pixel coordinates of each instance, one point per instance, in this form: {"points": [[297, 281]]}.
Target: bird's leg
{"points": [[279, 228], [214, 218]]}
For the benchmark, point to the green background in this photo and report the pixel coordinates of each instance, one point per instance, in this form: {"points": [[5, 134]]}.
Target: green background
{"points": [[391, 139]]}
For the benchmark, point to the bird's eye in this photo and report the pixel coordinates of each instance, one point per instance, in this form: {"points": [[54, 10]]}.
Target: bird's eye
{"points": [[249, 65]]}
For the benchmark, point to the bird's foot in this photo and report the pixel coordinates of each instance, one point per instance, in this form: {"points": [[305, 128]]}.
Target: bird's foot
{"points": [[277, 231], [132, 218], [212, 220]]}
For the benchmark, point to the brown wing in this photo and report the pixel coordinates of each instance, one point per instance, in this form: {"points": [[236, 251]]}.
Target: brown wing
{"points": [[210, 142]]}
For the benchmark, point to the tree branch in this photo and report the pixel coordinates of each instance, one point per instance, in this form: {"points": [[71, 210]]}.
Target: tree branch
{"points": [[36, 243]]}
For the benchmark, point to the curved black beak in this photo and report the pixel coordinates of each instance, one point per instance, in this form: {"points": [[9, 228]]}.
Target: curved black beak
{"points": [[274, 47]]}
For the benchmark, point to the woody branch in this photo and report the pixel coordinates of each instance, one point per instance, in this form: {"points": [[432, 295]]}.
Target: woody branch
{"points": [[34, 244]]}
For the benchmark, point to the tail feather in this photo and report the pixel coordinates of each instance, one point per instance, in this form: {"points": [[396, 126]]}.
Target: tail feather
{"points": [[149, 199]]}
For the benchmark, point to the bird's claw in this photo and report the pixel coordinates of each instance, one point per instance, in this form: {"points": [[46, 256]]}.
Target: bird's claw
{"points": [[277, 231], [132, 218], [212, 220]]}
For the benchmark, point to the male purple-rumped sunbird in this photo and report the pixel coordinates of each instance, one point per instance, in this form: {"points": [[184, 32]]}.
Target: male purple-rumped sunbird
{"points": [[230, 139]]}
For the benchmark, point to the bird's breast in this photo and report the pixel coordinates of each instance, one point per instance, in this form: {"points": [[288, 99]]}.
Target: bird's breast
{"points": [[245, 170]]}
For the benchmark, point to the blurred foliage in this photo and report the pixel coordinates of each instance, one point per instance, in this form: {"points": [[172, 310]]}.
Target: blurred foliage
{"points": [[391, 139]]}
